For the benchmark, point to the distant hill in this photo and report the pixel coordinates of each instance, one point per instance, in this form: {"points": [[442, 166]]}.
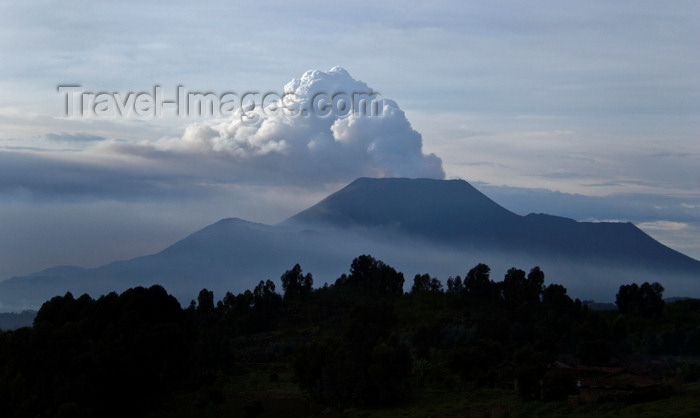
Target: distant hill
{"points": [[443, 227], [12, 320]]}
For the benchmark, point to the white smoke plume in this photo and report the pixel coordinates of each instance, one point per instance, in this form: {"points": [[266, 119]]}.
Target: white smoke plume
{"points": [[310, 147]]}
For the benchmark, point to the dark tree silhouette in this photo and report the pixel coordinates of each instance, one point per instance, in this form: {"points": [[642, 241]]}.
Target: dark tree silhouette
{"points": [[361, 342], [454, 285], [115, 356], [425, 283], [514, 287], [477, 282], [555, 299], [368, 273], [295, 284], [535, 284], [645, 300], [360, 365], [205, 303], [264, 295]]}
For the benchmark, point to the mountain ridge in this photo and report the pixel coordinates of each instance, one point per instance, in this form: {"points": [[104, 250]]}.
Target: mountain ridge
{"points": [[473, 213], [419, 225]]}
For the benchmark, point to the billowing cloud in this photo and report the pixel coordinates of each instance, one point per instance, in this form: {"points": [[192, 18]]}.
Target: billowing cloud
{"points": [[315, 136]]}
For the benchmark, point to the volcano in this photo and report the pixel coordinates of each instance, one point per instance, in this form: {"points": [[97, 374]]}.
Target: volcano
{"points": [[443, 227]]}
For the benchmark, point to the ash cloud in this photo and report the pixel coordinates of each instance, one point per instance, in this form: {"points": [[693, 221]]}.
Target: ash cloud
{"points": [[308, 148]]}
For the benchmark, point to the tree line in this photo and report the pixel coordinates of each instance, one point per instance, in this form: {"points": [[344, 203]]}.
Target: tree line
{"points": [[358, 341]]}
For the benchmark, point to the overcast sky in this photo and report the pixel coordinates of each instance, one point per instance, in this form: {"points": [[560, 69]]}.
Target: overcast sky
{"points": [[582, 109]]}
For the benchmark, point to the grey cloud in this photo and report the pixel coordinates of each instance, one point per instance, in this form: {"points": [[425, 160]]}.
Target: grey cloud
{"points": [[564, 175], [78, 137], [47, 176]]}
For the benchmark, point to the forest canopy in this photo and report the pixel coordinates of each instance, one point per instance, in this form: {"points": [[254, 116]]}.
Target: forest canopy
{"points": [[359, 341]]}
